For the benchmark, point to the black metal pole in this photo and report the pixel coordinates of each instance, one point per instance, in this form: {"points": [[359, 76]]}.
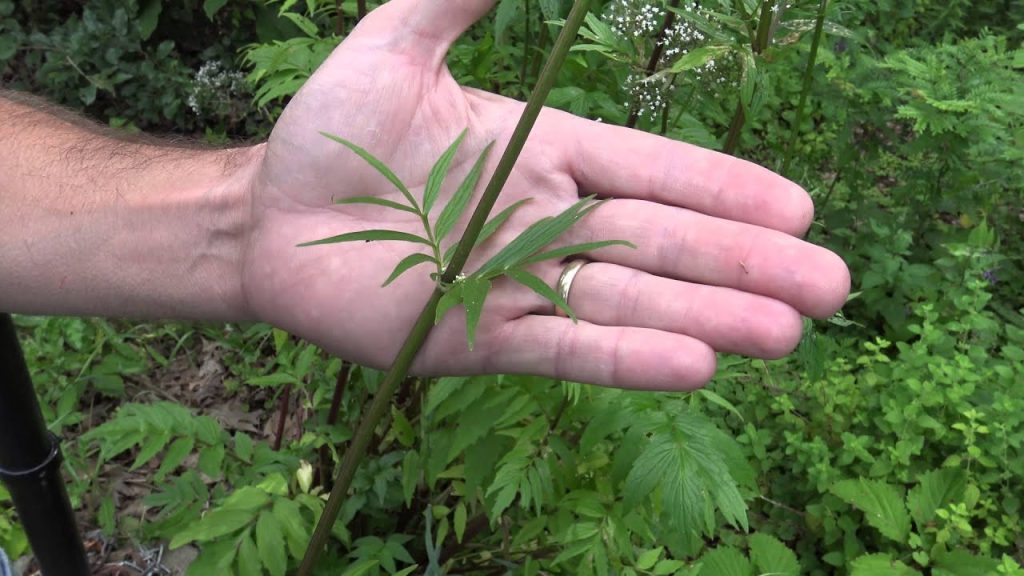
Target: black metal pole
{"points": [[30, 467]]}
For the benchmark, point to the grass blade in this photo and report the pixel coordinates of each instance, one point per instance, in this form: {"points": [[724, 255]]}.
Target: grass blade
{"points": [[378, 202], [489, 228], [474, 292], [455, 207], [369, 236], [537, 236], [407, 263], [438, 173], [574, 249], [378, 166], [540, 287]]}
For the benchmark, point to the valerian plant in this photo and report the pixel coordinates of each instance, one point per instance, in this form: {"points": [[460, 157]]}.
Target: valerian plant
{"points": [[512, 261]]}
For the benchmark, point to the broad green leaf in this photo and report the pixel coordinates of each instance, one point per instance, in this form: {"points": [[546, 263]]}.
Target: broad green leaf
{"points": [[455, 207], [249, 557], [771, 556], [215, 524], [489, 228], [153, 445], [369, 236], [507, 12], [649, 558], [270, 542], [881, 503], [541, 287], [880, 565], [174, 457], [214, 558], [249, 498], [725, 561], [960, 562], [438, 173], [149, 16], [665, 567], [936, 489], [211, 7], [378, 166], [243, 446], [474, 293], [377, 202], [293, 525], [450, 299], [459, 521], [407, 263], [574, 249], [535, 237], [211, 460]]}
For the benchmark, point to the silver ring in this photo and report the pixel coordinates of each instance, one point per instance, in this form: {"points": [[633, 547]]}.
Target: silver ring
{"points": [[565, 281]]}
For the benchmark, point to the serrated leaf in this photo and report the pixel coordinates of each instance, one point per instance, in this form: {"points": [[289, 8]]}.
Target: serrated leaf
{"points": [[215, 524], [248, 557], [725, 561], [574, 249], [665, 567], [490, 227], [377, 202], [880, 565], [270, 542], [248, 498], [243, 446], [960, 562], [455, 207], [174, 457], [211, 459], [294, 526], [150, 448], [369, 236], [214, 558], [407, 263], [881, 503], [459, 521], [536, 237], [649, 558], [771, 556], [438, 172], [474, 293], [541, 287], [378, 166], [935, 490]]}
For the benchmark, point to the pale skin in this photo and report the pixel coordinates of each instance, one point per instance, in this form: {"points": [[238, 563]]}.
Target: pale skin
{"points": [[93, 225]]}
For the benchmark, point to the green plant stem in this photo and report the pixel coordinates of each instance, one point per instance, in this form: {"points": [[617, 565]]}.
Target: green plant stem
{"points": [[758, 44], [425, 322], [806, 88]]}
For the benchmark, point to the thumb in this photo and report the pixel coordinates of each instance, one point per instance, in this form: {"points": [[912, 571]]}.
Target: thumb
{"points": [[424, 29]]}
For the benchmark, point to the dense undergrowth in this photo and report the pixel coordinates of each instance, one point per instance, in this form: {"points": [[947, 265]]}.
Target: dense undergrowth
{"points": [[892, 442]]}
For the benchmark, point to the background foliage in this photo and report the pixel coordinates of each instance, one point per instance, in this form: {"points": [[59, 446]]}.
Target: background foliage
{"points": [[891, 443]]}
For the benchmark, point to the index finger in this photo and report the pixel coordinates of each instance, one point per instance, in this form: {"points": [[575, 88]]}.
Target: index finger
{"points": [[613, 161]]}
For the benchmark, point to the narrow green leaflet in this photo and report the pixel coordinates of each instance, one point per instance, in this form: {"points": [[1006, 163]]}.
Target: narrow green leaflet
{"points": [[451, 298], [377, 165], [535, 237], [370, 236], [474, 292], [378, 202], [574, 249], [212, 526], [438, 172], [407, 263], [541, 287], [248, 556], [489, 228], [455, 207]]}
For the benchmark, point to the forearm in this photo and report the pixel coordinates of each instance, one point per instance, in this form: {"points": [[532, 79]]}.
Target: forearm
{"points": [[93, 225]]}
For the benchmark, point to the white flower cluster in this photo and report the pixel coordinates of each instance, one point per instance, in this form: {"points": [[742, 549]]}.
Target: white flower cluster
{"points": [[212, 88], [649, 93], [635, 19]]}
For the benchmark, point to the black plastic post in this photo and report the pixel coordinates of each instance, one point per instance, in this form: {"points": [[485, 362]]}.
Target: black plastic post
{"points": [[30, 467]]}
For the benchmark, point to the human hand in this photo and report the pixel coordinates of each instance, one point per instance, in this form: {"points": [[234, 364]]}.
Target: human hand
{"points": [[718, 265]]}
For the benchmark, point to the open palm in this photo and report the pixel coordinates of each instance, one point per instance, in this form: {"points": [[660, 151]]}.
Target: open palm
{"points": [[718, 266]]}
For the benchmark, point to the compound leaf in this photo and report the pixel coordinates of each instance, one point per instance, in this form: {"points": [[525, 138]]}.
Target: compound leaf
{"points": [[377, 165]]}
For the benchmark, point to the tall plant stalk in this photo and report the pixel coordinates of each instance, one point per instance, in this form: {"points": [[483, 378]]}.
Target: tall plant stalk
{"points": [[758, 44], [819, 25], [425, 322]]}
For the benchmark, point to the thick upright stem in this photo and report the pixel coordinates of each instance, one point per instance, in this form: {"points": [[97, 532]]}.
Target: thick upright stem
{"points": [[360, 10], [806, 89], [421, 329]]}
